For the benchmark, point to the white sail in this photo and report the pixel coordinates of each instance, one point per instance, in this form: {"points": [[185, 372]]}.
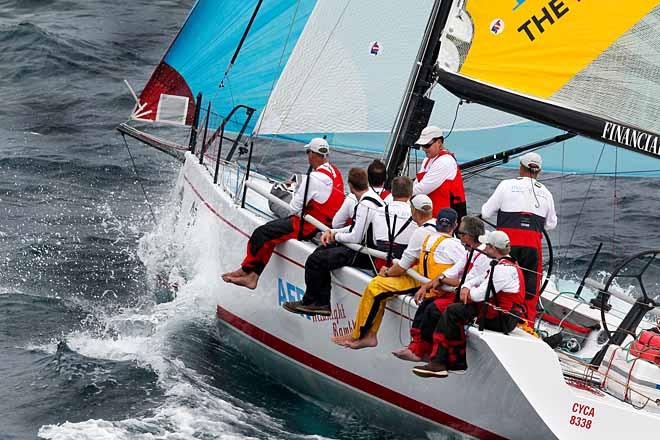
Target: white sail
{"points": [[348, 70]]}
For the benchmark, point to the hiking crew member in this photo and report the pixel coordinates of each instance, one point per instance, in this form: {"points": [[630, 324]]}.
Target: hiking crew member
{"points": [[437, 251], [439, 178], [524, 207], [430, 310], [498, 297], [376, 174], [393, 224], [324, 192], [331, 255]]}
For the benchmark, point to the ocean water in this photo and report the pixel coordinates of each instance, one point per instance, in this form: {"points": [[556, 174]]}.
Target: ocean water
{"points": [[91, 345]]}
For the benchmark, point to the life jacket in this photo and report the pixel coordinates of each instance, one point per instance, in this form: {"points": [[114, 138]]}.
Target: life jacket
{"points": [[507, 301], [324, 212], [450, 194], [523, 228], [473, 260], [427, 265], [383, 193]]}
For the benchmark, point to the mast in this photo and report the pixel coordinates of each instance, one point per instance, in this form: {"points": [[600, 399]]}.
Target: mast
{"points": [[416, 108]]}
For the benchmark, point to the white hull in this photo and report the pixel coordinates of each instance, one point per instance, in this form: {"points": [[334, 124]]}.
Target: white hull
{"points": [[514, 387]]}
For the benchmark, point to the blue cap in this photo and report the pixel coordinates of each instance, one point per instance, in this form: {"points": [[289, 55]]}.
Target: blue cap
{"points": [[447, 217]]}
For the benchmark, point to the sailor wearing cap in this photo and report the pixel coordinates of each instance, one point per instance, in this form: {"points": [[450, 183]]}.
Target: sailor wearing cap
{"points": [[439, 177], [331, 256], [502, 306], [321, 195], [524, 207]]}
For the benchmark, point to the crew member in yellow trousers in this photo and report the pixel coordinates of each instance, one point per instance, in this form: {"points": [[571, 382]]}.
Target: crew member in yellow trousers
{"points": [[425, 246]]}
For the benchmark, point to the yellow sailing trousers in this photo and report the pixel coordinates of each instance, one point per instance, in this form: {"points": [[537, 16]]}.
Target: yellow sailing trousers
{"points": [[372, 304]]}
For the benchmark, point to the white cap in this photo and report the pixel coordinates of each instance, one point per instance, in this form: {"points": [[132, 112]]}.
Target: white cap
{"points": [[428, 134], [422, 201], [531, 161], [497, 239], [318, 145]]}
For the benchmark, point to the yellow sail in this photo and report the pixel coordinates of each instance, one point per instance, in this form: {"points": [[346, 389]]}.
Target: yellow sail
{"points": [[535, 47]]}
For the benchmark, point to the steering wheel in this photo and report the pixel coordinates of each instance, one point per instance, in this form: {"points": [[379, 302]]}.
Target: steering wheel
{"points": [[634, 267]]}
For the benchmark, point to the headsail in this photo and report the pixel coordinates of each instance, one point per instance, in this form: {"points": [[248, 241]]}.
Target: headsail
{"points": [[587, 67], [201, 52]]}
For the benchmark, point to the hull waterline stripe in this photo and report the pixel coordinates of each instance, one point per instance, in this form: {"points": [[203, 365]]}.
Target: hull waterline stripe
{"points": [[352, 379], [236, 228]]}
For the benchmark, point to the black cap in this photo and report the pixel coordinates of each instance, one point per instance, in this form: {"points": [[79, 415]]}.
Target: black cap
{"points": [[447, 217]]}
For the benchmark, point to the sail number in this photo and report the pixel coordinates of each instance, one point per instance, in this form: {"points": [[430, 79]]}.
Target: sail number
{"points": [[582, 416]]}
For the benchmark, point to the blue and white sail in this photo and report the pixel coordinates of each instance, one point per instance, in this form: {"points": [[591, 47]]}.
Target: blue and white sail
{"points": [[201, 52]]}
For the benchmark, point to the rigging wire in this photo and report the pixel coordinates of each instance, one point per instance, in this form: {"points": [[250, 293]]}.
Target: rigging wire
{"points": [[561, 202], [616, 165], [146, 198], [584, 201], [458, 106]]}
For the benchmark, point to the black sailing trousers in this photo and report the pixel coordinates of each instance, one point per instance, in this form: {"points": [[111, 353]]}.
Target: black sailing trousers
{"points": [[319, 265]]}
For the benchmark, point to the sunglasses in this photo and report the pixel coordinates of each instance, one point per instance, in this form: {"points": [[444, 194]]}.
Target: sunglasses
{"points": [[459, 233]]}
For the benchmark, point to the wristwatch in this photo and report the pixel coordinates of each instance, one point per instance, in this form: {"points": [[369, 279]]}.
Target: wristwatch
{"points": [[442, 277]]}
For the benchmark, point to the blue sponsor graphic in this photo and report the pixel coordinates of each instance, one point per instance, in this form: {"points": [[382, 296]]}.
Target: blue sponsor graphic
{"points": [[289, 292], [520, 2]]}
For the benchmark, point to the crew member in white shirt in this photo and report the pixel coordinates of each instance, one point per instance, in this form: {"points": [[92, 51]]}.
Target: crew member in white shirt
{"points": [[393, 224], [524, 207], [439, 177], [331, 255], [376, 174]]}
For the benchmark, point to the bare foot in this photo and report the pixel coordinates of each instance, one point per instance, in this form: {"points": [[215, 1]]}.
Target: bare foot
{"points": [[407, 355], [250, 280], [368, 341], [342, 340], [235, 274]]}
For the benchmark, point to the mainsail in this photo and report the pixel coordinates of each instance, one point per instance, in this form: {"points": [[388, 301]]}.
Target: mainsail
{"points": [[201, 52], [587, 67]]}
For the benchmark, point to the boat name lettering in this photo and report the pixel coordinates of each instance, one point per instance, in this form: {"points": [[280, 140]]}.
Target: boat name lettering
{"points": [[583, 420], [630, 137], [287, 291], [337, 314], [537, 24]]}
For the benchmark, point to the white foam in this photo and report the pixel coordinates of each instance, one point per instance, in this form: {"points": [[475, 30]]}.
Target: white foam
{"points": [[180, 248]]}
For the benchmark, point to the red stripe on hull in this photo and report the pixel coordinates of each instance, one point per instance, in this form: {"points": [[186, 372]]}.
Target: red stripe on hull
{"points": [[352, 379]]}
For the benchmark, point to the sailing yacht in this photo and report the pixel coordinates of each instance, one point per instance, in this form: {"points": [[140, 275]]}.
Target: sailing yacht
{"points": [[246, 75]]}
